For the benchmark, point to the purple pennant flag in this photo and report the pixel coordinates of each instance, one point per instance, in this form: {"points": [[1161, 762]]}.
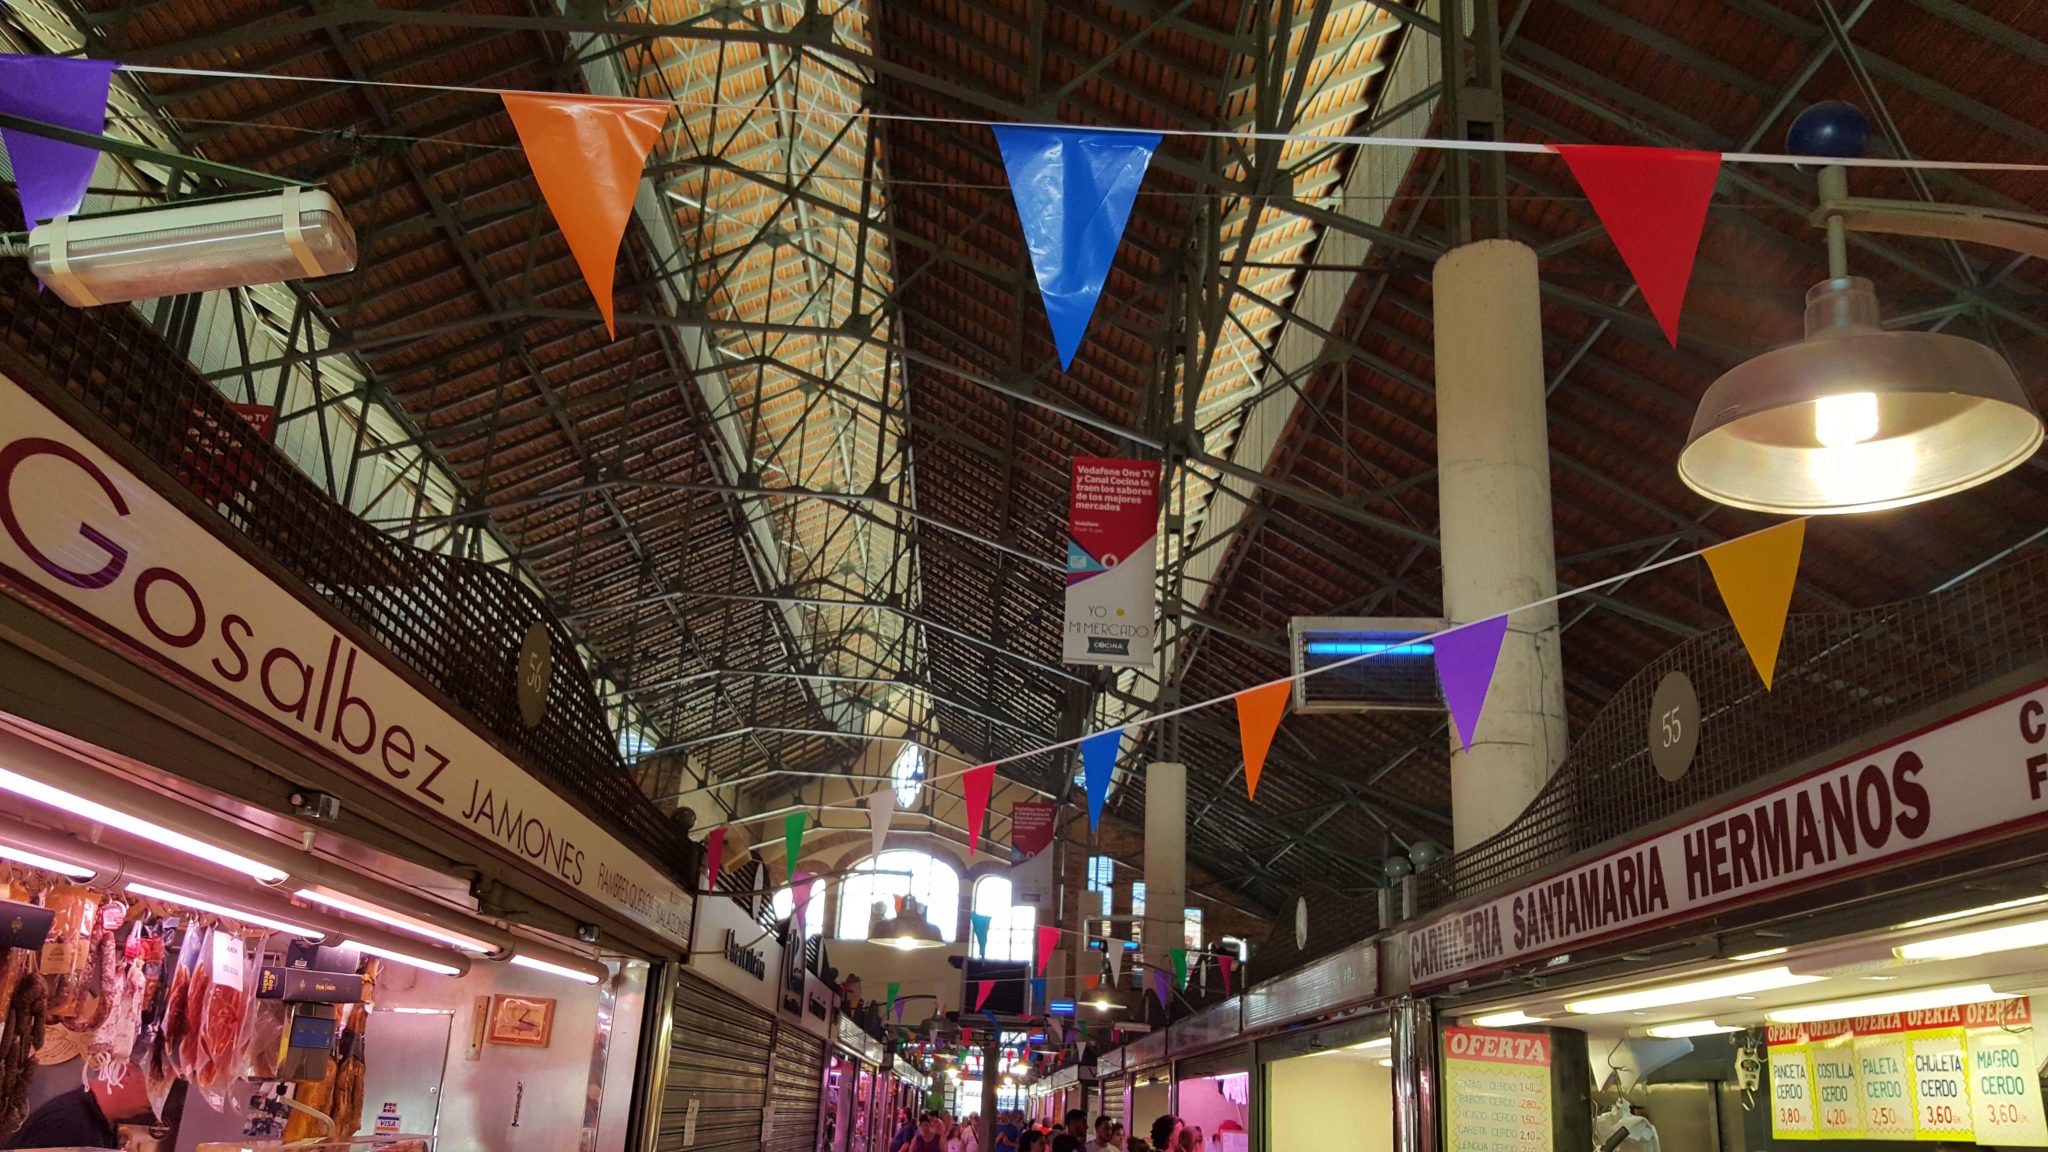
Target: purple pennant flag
{"points": [[1464, 663], [1161, 981], [51, 175]]}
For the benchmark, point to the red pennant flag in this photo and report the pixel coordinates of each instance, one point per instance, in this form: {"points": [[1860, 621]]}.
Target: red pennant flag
{"points": [[1653, 202], [975, 786], [981, 990], [714, 855], [1048, 939], [587, 153], [1091, 980], [1258, 717], [1224, 963]]}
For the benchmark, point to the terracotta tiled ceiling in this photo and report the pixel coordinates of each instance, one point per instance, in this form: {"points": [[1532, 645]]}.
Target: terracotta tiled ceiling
{"points": [[832, 437]]}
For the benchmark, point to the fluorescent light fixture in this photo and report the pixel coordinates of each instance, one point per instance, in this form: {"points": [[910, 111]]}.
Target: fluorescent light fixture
{"points": [[46, 863], [2031, 934], [553, 969], [1386, 1063], [135, 825], [1690, 1029], [329, 898], [1918, 1000], [1370, 648], [1379, 1042], [1507, 1019], [2002, 906], [242, 914], [407, 958], [1713, 988], [420, 1011], [1766, 954]]}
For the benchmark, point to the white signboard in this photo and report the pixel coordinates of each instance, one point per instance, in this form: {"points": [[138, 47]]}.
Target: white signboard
{"points": [[83, 533], [1980, 774]]}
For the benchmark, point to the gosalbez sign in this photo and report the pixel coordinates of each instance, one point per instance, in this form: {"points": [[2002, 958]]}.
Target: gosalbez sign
{"points": [[84, 532], [1980, 772]]}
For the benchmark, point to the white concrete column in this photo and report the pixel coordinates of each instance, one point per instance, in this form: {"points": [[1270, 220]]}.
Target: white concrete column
{"points": [[1493, 485], [1166, 859]]}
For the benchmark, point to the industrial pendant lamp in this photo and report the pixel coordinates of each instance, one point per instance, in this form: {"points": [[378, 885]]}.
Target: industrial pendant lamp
{"points": [[1854, 418], [908, 930]]}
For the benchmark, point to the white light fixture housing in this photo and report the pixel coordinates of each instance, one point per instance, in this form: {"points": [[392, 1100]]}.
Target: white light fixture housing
{"points": [[1691, 991], [1983, 910], [73, 804], [538, 964], [2005, 938], [203, 246], [342, 902], [1507, 1019], [47, 863], [1918, 1000], [1690, 1029], [410, 959], [202, 904]]}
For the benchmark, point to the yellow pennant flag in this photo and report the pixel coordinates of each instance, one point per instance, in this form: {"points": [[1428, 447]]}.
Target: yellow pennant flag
{"points": [[1755, 574]]}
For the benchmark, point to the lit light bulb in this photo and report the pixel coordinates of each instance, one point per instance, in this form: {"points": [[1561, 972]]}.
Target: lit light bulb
{"points": [[1840, 421]]}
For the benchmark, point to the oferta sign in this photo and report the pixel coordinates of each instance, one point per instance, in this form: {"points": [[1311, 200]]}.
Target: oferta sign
{"points": [[80, 532]]}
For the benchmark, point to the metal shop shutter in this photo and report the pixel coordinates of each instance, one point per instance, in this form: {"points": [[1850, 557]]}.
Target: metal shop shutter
{"points": [[793, 1091], [718, 1057], [1111, 1092]]}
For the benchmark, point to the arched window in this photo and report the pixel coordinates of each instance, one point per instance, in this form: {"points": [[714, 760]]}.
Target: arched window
{"points": [[1010, 935], [814, 915], [907, 773], [880, 879]]}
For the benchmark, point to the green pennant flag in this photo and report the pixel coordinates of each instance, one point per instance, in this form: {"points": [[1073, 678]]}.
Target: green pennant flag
{"points": [[793, 838], [1180, 967], [894, 988]]}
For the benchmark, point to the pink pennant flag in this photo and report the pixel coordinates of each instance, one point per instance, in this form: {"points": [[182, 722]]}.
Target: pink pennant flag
{"points": [[800, 893], [975, 786], [1464, 663], [1048, 939], [981, 990], [1224, 963], [1653, 202], [714, 856]]}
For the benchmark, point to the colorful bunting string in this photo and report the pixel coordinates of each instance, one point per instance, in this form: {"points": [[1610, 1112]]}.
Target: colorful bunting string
{"points": [[1653, 203], [587, 154], [1258, 716], [51, 176], [1098, 765], [714, 856], [1465, 658], [1074, 188], [1755, 575], [975, 786]]}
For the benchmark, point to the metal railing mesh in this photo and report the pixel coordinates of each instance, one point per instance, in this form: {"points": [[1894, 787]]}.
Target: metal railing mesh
{"points": [[456, 623], [1838, 674]]}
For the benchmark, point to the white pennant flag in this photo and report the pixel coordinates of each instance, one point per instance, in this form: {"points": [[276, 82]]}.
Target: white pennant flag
{"points": [[881, 810], [1115, 948], [1202, 973]]}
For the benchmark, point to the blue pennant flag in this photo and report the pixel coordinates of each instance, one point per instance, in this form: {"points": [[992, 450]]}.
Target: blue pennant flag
{"points": [[1038, 994], [1074, 188], [1098, 763], [980, 922]]}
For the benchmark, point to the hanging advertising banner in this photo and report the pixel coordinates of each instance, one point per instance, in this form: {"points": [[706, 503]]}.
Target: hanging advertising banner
{"points": [[1032, 827], [1975, 776], [87, 539], [1496, 1091], [1112, 559], [1963, 1075]]}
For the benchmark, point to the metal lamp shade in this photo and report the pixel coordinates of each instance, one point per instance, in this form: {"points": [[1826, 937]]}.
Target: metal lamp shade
{"points": [[1907, 416], [907, 931]]}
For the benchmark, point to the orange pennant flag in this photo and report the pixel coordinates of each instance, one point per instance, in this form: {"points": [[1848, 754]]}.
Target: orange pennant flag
{"points": [[587, 153], [1258, 717], [1754, 574]]}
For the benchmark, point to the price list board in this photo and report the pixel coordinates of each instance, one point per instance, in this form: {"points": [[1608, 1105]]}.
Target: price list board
{"points": [[1963, 1074], [1496, 1090]]}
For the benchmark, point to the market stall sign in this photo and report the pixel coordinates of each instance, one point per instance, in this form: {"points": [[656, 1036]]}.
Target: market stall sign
{"points": [[1963, 1074], [1983, 772], [101, 545], [1496, 1090]]}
